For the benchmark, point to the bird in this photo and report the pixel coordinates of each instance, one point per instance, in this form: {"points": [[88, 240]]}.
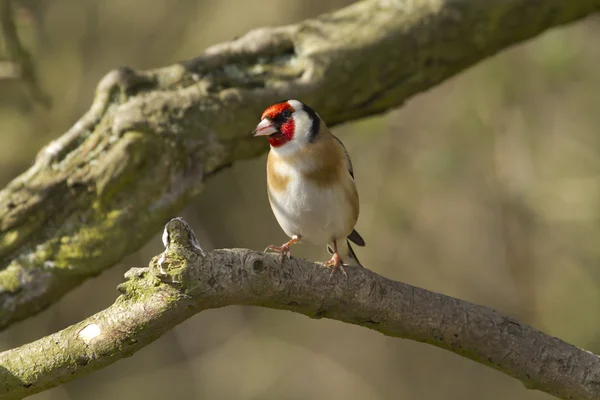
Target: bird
{"points": [[310, 183]]}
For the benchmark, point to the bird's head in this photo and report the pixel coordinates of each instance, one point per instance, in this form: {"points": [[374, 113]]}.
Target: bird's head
{"points": [[288, 126]]}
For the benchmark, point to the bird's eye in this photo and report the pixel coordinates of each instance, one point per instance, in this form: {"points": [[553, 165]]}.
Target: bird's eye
{"points": [[286, 114]]}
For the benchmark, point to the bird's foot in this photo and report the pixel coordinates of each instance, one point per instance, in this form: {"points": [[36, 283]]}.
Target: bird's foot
{"points": [[334, 264], [284, 249]]}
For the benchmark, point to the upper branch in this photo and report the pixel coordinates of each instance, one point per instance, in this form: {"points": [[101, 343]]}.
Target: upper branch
{"points": [[150, 138], [183, 281]]}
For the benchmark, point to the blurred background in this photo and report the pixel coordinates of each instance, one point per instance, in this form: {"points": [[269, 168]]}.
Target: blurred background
{"points": [[485, 188]]}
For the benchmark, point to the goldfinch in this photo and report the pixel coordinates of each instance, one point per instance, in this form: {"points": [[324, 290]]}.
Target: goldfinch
{"points": [[310, 182]]}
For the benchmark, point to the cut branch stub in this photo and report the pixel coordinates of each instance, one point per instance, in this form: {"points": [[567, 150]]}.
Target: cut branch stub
{"points": [[181, 246]]}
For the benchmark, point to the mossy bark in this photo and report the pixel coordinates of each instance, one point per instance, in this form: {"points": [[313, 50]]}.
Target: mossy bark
{"points": [[151, 138]]}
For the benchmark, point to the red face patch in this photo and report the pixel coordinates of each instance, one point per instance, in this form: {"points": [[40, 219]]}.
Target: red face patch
{"points": [[286, 129], [287, 134], [276, 109]]}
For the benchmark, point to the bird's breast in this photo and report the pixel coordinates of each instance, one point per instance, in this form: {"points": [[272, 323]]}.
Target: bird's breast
{"points": [[316, 206]]}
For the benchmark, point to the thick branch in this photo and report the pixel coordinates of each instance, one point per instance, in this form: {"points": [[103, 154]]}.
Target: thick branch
{"points": [[150, 138], [183, 281]]}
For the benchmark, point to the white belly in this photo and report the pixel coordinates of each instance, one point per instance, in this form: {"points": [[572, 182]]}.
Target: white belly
{"points": [[317, 214]]}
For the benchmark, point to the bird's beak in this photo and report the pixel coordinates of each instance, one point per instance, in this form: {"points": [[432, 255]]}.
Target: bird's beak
{"points": [[264, 128]]}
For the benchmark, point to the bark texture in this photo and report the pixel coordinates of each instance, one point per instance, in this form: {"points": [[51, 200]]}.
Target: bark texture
{"points": [[183, 281], [151, 138]]}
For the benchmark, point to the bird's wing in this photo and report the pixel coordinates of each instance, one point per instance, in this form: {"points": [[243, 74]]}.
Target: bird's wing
{"points": [[347, 155], [354, 236]]}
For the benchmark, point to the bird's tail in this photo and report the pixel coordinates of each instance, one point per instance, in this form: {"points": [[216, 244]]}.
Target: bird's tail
{"points": [[346, 253]]}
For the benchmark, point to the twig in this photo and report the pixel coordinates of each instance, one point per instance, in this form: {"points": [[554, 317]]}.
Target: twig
{"points": [[19, 55]]}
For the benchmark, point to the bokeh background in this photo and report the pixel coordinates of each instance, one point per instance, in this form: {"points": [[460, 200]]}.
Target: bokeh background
{"points": [[485, 188]]}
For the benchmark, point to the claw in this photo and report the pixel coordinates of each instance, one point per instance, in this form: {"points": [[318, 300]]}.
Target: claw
{"points": [[334, 264], [273, 249], [284, 249]]}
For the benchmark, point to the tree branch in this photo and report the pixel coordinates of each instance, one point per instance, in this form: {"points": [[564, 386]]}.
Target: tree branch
{"points": [[23, 67], [183, 281], [151, 138]]}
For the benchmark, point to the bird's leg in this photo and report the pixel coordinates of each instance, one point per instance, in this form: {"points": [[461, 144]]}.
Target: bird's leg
{"points": [[336, 261], [284, 249]]}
